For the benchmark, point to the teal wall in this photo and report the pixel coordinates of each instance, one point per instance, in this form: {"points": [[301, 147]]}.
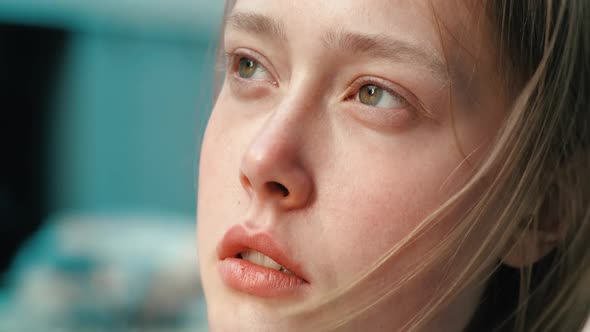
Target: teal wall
{"points": [[126, 132], [128, 110], [130, 103]]}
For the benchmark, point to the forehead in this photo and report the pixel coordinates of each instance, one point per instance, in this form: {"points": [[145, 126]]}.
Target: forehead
{"points": [[452, 32], [426, 21], [309, 18]]}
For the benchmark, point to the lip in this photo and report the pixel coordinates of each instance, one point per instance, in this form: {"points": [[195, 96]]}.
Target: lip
{"points": [[254, 279]]}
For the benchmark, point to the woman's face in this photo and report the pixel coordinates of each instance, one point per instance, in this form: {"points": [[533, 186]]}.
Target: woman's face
{"points": [[340, 126]]}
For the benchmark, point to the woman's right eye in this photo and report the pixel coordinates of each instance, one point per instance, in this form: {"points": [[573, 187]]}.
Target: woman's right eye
{"points": [[249, 68]]}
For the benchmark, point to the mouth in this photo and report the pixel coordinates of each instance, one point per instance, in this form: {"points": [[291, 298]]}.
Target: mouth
{"points": [[261, 259], [256, 265]]}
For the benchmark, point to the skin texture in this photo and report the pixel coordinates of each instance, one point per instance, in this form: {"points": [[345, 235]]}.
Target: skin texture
{"points": [[359, 177]]}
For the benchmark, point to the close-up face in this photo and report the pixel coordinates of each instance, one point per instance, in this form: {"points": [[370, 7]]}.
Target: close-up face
{"points": [[341, 126]]}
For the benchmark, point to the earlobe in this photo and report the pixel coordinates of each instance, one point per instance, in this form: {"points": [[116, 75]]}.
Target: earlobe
{"points": [[539, 233], [530, 245]]}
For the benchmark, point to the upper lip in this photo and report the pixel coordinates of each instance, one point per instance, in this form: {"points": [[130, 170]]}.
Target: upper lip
{"points": [[237, 240]]}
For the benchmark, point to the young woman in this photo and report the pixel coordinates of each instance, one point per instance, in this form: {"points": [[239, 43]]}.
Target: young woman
{"points": [[390, 165]]}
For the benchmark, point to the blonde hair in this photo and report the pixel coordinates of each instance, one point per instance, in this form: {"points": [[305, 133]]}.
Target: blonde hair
{"points": [[536, 178]]}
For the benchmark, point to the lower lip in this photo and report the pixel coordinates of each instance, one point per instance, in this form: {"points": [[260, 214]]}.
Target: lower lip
{"points": [[258, 280]]}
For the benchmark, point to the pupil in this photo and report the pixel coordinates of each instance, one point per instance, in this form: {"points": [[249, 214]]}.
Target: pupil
{"points": [[370, 94], [246, 67]]}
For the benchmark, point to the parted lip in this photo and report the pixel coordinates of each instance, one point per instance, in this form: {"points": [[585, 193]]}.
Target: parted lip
{"points": [[237, 239]]}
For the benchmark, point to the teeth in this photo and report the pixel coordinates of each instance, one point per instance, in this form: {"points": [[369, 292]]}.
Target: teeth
{"points": [[263, 260], [282, 269]]}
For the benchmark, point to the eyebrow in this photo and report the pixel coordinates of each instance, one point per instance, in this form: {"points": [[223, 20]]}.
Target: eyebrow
{"points": [[382, 46], [257, 24], [378, 46]]}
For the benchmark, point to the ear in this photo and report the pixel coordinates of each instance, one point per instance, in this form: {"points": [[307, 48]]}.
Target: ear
{"points": [[531, 245]]}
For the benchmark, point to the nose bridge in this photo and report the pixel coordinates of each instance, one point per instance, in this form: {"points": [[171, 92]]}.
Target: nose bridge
{"points": [[277, 143], [272, 168], [276, 138]]}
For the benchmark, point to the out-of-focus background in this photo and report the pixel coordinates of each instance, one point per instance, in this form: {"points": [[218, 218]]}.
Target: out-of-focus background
{"points": [[102, 106]]}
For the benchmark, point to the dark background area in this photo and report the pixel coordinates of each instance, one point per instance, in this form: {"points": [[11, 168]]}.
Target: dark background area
{"points": [[30, 58]]}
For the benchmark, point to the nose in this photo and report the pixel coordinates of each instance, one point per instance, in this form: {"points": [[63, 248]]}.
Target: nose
{"points": [[272, 170]]}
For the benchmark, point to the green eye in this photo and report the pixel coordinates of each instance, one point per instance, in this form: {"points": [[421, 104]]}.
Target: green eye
{"points": [[247, 67], [370, 94], [376, 96]]}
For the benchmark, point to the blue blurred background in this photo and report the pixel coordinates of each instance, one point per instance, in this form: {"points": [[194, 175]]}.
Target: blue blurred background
{"points": [[104, 104]]}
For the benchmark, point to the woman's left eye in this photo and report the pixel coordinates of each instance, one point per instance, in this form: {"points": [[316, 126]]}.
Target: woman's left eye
{"points": [[250, 69], [376, 96]]}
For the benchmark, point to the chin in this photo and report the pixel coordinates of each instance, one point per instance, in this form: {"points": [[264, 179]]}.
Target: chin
{"points": [[244, 317]]}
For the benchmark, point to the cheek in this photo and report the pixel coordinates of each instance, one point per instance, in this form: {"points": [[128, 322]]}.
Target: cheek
{"points": [[222, 201], [218, 171], [399, 187]]}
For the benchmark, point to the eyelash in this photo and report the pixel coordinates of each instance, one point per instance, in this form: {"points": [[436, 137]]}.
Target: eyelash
{"points": [[355, 87], [232, 62]]}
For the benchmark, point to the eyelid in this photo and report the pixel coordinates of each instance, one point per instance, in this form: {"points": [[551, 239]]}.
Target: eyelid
{"points": [[232, 58], [396, 90]]}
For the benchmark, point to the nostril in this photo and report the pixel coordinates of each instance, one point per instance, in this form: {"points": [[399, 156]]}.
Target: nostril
{"points": [[275, 187], [245, 181]]}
